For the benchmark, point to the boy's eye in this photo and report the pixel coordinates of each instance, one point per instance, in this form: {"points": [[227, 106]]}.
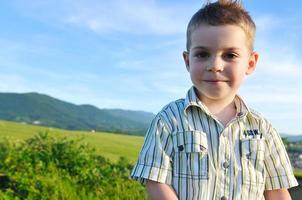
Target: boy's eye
{"points": [[202, 55], [230, 56]]}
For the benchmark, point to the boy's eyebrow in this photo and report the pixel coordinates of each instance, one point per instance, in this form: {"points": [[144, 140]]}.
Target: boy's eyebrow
{"points": [[200, 47], [232, 49]]}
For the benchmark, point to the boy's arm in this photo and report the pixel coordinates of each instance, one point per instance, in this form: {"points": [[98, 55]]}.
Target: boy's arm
{"points": [[279, 194], [160, 191], [279, 173]]}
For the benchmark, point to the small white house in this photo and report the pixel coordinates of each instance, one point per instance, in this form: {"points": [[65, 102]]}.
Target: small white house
{"points": [[36, 122]]}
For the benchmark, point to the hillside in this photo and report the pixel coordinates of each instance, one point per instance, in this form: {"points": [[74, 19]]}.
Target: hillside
{"points": [[293, 138], [34, 108]]}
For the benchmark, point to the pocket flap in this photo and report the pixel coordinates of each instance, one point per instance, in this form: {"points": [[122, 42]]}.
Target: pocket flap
{"points": [[190, 141], [253, 148]]}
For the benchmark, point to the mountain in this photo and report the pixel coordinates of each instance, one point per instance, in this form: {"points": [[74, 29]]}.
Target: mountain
{"points": [[291, 138], [294, 138], [35, 108]]}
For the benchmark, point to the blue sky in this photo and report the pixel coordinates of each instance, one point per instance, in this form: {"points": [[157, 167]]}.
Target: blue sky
{"points": [[127, 54]]}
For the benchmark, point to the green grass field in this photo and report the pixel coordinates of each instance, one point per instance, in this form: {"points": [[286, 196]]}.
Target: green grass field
{"points": [[109, 145], [298, 174]]}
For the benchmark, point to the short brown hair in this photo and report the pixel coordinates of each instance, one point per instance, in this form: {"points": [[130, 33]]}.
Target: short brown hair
{"points": [[223, 12]]}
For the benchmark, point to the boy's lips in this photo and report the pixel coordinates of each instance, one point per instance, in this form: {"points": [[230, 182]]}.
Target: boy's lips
{"points": [[214, 81]]}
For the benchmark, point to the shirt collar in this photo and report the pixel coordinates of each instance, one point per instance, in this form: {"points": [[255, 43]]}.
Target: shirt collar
{"points": [[193, 100], [241, 108]]}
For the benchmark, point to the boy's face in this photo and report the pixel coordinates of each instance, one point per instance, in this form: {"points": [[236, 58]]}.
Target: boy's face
{"points": [[218, 60]]}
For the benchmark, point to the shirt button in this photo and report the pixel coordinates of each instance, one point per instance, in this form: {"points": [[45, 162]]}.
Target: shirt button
{"points": [[224, 198], [225, 164], [180, 148], [240, 114]]}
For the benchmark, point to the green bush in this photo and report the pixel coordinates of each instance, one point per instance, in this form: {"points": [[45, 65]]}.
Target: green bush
{"points": [[45, 167], [298, 175]]}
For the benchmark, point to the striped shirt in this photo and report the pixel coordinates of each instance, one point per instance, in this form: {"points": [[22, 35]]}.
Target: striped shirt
{"points": [[187, 148]]}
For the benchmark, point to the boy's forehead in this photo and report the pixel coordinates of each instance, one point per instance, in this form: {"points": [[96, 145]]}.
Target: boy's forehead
{"points": [[226, 47], [225, 36]]}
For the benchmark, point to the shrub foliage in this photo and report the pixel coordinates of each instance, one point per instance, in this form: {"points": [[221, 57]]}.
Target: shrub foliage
{"points": [[46, 167]]}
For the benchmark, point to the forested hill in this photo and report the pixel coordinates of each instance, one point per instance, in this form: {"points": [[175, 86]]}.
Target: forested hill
{"points": [[34, 108]]}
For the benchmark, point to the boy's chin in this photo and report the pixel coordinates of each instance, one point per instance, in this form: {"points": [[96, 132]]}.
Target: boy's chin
{"points": [[214, 96]]}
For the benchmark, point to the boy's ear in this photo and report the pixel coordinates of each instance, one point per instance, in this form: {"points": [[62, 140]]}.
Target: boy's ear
{"points": [[185, 55], [252, 63]]}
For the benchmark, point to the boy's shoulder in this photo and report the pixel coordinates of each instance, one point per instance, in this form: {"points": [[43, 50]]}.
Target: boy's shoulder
{"points": [[177, 104], [170, 113], [172, 109], [258, 115], [261, 120]]}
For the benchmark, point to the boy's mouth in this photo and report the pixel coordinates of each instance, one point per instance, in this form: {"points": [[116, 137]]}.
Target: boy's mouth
{"points": [[214, 81]]}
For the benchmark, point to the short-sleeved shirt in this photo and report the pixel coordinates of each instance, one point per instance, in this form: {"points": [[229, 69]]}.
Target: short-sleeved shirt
{"points": [[187, 148]]}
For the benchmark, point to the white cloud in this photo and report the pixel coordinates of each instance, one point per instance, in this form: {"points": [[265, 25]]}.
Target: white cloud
{"points": [[131, 16], [13, 83], [273, 95], [132, 65], [279, 63], [266, 23]]}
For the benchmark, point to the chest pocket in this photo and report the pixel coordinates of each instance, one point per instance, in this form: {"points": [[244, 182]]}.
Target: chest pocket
{"points": [[252, 154], [190, 158]]}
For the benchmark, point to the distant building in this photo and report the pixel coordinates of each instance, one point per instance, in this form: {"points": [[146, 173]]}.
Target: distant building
{"points": [[37, 122], [296, 159]]}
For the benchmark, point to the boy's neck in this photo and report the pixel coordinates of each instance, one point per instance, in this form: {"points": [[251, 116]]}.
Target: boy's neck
{"points": [[224, 110]]}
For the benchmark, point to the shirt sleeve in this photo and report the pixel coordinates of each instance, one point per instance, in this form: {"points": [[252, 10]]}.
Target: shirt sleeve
{"points": [[154, 158], [279, 173]]}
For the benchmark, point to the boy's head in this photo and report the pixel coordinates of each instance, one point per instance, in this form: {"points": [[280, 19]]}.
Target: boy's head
{"points": [[220, 50], [223, 12]]}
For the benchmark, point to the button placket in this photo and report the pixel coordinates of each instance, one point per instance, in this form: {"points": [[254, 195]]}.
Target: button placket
{"points": [[225, 161]]}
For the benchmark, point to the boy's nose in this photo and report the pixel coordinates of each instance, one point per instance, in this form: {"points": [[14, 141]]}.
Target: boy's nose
{"points": [[215, 64]]}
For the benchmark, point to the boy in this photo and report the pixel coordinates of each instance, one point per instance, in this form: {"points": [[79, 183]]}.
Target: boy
{"points": [[210, 145]]}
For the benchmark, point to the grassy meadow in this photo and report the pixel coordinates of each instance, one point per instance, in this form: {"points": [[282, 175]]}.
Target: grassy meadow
{"points": [[47, 163], [109, 145], [78, 169]]}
